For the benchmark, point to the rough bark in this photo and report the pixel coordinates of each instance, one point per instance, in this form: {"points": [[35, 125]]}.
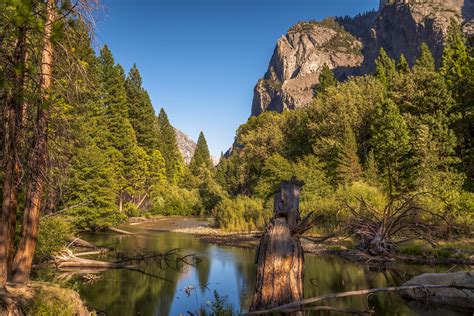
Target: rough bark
{"points": [[280, 267], [14, 110], [279, 256], [37, 162]]}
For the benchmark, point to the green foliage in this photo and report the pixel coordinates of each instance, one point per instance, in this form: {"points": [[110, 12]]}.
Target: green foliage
{"points": [[385, 68], [53, 235], [92, 186], [241, 213], [210, 192], [391, 144], [201, 157], [51, 300], [457, 69], [326, 79], [173, 200], [401, 130], [403, 66], [348, 165], [157, 168], [168, 147], [141, 112], [218, 307]]}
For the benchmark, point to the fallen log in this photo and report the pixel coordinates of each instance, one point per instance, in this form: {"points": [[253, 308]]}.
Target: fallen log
{"points": [[76, 241], [82, 262], [91, 253], [334, 309], [67, 258], [120, 231], [316, 299]]}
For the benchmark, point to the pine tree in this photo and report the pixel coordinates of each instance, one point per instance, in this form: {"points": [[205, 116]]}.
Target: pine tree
{"points": [[141, 113], [403, 66], [348, 165], [457, 69], [326, 79], [426, 59], [157, 168], [92, 182], [168, 147], [385, 69], [371, 175], [122, 143], [391, 145], [431, 107], [201, 157], [115, 101]]}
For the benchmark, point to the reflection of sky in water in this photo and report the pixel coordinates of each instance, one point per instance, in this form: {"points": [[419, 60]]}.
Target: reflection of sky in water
{"points": [[222, 277]]}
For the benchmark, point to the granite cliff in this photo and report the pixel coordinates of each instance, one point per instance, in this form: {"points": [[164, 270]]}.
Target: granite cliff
{"points": [[187, 147], [349, 46]]}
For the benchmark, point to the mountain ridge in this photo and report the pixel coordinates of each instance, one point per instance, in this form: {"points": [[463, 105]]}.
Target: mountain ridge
{"points": [[350, 45]]}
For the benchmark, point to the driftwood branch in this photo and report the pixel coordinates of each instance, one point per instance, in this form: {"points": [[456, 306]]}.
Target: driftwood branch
{"points": [[66, 209], [66, 258], [120, 231], [351, 293], [76, 241], [333, 309]]}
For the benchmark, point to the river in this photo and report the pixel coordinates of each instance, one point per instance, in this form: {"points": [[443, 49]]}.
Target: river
{"points": [[228, 271]]}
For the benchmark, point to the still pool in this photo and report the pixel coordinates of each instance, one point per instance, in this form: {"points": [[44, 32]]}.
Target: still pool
{"points": [[229, 272]]}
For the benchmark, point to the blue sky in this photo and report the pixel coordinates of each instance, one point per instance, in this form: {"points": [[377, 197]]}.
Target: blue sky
{"points": [[200, 59]]}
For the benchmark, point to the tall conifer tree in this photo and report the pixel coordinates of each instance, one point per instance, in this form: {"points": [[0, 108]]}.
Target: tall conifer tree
{"points": [[141, 112], [168, 147], [201, 157]]}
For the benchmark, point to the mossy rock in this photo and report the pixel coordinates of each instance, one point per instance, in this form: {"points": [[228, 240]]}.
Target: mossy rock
{"points": [[46, 299]]}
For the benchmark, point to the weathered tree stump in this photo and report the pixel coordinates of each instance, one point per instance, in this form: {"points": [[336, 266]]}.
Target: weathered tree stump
{"points": [[279, 256]]}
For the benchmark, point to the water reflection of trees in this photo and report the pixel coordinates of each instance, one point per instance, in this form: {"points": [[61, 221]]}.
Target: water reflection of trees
{"points": [[124, 292]]}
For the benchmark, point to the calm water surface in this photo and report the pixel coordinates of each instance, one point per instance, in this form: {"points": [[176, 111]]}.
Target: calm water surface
{"points": [[231, 272]]}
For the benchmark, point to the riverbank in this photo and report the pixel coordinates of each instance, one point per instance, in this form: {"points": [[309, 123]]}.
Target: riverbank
{"points": [[459, 253], [42, 298]]}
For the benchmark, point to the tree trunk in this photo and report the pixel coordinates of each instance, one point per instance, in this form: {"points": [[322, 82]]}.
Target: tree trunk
{"points": [[279, 256], [279, 267], [38, 160], [13, 125]]}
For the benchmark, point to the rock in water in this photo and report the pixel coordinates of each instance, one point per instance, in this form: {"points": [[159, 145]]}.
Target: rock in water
{"points": [[350, 46], [460, 298]]}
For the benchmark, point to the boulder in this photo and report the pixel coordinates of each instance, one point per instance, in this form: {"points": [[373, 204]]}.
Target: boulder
{"points": [[460, 298]]}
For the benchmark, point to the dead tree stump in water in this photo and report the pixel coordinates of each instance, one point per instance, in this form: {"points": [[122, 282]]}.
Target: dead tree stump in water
{"points": [[279, 256]]}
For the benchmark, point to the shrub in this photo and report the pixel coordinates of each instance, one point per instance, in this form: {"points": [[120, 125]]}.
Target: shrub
{"points": [[53, 235], [96, 218], [414, 249], [241, 213], [172, 200], [52, 300]]}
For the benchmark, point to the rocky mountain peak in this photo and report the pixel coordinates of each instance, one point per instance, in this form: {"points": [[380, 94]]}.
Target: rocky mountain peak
{"points": [[349, 46], [297, 62], [187, 147]]}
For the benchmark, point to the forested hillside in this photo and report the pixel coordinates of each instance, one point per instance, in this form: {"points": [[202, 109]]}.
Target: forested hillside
{"points": [[83, 147], [403, 131]]}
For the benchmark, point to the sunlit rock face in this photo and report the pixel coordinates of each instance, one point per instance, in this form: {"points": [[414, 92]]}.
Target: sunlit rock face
{"points": [[186, 146], [349, 46], [297, 61]]}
